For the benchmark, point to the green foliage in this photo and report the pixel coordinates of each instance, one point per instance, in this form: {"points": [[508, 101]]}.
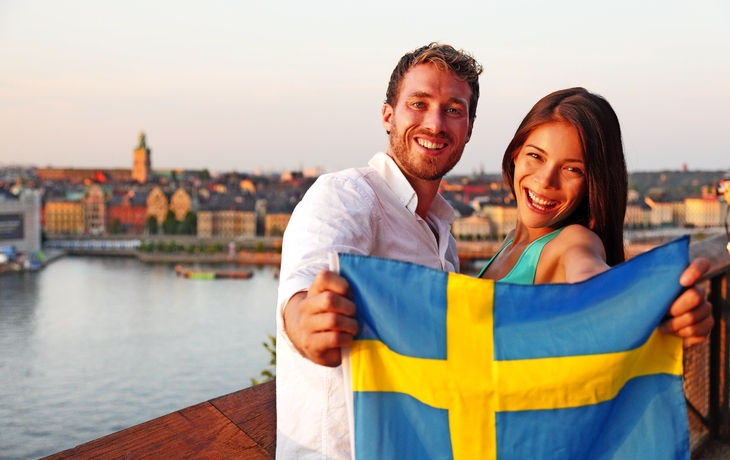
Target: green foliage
{"points": [[267, 374], [213, 248], [189, 224], [115, 227], [151, 225], [169, 225], [172, 247], [259, 247], [146, 246]]}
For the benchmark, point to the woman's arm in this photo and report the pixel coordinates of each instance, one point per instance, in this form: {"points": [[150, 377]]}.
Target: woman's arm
{"points": [[582, 253]]}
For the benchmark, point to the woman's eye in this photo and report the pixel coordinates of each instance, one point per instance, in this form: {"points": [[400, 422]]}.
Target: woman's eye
{"points": [[575, 170]]}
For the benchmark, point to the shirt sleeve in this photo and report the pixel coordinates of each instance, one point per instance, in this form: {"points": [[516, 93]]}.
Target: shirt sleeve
{"points": [[335, 215]]}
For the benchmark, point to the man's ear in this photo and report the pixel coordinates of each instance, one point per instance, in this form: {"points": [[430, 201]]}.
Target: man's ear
{"points": [[387, 117], [468, 133]]}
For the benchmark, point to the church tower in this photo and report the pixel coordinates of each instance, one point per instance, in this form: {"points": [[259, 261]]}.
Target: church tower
{"points": [[141, 169]]}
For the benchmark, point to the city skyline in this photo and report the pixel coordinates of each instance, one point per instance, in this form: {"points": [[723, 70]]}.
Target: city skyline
{"points": [[291, 86]]}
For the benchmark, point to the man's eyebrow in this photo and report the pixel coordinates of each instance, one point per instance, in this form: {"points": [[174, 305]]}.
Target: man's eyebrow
{"points": [[424, 94], [419, 94]]}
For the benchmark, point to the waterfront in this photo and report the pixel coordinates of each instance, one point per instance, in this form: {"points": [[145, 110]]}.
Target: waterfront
{"points": [[94, 345]]}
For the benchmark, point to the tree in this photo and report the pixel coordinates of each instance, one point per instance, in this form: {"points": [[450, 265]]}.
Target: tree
{"points": [[169, 225], [115, 227], [151, 225], [189, 224]]}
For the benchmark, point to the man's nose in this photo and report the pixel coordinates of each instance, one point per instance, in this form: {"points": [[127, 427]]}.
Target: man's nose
{"points": [[434, 120]]}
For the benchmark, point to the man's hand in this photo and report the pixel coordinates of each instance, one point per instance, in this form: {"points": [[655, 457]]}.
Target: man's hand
{"points": [[691, 313], [321, 321]]}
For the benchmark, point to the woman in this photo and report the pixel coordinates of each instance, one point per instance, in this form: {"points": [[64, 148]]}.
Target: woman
{"points": [[566, 168]]}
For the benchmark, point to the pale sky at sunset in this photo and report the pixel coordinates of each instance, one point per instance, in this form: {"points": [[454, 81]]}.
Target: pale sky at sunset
{"points": [[292, 84]]}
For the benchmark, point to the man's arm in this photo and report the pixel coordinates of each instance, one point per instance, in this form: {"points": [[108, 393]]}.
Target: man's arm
{"points": [[691, 314]]}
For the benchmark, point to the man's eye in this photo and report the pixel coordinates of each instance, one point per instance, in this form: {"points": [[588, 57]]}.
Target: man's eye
{"points": [[419, 105]]}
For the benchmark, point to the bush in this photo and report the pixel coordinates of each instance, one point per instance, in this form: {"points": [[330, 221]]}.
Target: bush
{"points": [[267, 374]]}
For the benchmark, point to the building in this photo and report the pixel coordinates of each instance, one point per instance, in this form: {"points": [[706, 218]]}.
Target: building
{"points": [[127, 213], [142, 165], [638, 215], [472, 228], [503, 217], [275, 223], [79, 176], [180, 203], [704, 212], [157, 204], [225, 215], [64, 217], [662, 212], [94, 205], [20, 220]]}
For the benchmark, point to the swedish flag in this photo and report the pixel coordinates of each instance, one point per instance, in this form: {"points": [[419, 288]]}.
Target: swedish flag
{"points": [[448, 366]]}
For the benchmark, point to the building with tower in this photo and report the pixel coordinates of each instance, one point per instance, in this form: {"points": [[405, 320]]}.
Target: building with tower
{"points": [[141, 169]]}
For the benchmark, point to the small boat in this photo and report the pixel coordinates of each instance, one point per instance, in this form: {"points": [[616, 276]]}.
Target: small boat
{"points": [[212, 274]]}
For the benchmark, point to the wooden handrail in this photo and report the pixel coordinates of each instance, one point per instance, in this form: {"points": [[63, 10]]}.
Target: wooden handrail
{"points": [[241, 425]]}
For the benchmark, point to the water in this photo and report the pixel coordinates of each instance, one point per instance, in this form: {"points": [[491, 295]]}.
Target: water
{"points": [[90, 346]]}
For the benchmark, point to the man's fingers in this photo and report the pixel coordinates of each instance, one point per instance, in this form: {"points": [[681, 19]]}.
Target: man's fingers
{"points": [[326, 302], [327, 281], [694, 271], [329, 321], [324, 347]]}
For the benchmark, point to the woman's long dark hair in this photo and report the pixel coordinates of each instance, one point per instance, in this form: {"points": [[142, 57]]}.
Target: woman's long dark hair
{"points": [[604, 207]]}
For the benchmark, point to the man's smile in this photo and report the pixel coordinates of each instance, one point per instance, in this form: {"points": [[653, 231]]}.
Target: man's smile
{"points": [[429, 145]]}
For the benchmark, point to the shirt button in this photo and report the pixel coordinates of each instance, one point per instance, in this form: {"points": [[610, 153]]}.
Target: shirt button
{"points": [[402, 200]]}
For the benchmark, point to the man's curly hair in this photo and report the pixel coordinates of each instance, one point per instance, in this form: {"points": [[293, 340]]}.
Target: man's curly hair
{"points": [[444, 57]]}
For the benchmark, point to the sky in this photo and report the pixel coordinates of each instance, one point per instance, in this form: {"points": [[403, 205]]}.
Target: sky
{"points": [[289, 85]]}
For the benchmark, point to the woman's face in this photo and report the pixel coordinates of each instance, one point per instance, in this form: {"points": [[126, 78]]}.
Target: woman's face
{"points": [[549, 180]]}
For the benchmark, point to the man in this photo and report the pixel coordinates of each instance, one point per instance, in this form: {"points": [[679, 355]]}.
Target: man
{"points": [[390, 209]]}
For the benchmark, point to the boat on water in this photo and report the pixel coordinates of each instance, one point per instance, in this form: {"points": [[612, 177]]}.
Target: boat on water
{"points": [[212, 274]]}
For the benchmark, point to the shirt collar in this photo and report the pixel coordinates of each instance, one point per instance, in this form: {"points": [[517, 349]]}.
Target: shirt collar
{"points": [[384, 165]]}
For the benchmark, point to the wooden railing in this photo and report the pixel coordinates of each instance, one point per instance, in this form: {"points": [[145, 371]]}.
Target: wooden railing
{"points": [[242, 425], [706, 381]]}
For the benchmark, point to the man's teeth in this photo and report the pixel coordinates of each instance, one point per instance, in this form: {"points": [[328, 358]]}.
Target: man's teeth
{"points": [[539, 201], [430, 145]]}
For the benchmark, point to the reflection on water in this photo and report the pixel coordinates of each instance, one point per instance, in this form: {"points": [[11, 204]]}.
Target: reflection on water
{"points": [[89, 346]]}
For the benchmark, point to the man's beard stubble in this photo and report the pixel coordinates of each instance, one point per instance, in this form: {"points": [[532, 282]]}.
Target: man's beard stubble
{"points": [[420, 166]]}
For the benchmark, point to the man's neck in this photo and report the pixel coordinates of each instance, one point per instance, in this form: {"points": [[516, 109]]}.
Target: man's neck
{"points": [[426, 193]]}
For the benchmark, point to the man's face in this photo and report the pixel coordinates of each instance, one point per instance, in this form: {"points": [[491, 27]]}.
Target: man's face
{"points": [[429, 125]]}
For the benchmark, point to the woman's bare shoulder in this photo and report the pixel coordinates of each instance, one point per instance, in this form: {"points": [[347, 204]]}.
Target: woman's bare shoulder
{"points": [[583, 254], [578, 235]]}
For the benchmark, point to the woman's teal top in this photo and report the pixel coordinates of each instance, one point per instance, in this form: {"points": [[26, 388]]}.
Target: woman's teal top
{"points": [[524, 270]]}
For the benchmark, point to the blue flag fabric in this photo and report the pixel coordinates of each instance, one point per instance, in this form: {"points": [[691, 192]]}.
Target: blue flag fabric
{"points": [[447, 366]]}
